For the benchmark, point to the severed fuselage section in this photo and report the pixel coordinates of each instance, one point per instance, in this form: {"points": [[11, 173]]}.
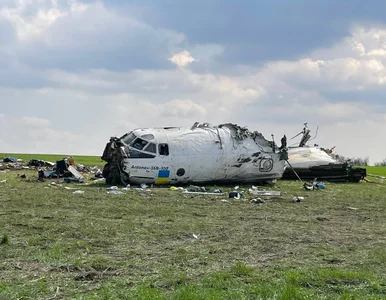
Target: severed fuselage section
{"points": [[226, 153]]}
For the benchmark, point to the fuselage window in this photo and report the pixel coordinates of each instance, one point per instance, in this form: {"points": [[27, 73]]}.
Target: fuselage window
{"points": [[128, 138], [163, 149], [151, 148], [139, 144]]}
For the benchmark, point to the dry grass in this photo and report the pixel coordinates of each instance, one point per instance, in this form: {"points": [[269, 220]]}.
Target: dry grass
{"points": [[140, 245]]}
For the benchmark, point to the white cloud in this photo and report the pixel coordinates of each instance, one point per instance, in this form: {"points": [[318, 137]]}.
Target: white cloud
{"points": [[35, 123], [182, 59], [79, 72], [72, 35], [28, 134], [182, 109], [47, 12]]}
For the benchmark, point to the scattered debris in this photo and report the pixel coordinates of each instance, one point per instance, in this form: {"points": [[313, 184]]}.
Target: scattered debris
{"points": [[235, 195], [315, 185], [196, 236], [112, 188], [297, 199], [381, 178], [195, 188], [78, 192], [115, 192], [202, 193], [69, 180], [40, 163], [174, 188], [3, 181], [352, 208], [264, 193], [257, 201], [308, 186], [75, 173], [10, 159]]}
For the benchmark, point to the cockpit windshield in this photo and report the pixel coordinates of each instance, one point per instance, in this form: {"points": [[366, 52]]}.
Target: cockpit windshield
{"points": [[139, 145], [128, 138]]}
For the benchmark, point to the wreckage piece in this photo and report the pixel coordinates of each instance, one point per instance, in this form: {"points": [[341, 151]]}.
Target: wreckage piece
{"points": [[264, 193], [201, 154], [203, 193], [40, 163], [10, 159], [331, 172], [75, 173], [381, 178], [311, 162]]}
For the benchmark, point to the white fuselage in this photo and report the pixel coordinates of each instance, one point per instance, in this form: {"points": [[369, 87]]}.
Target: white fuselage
{"points": [[201, 155], [306, 157]]}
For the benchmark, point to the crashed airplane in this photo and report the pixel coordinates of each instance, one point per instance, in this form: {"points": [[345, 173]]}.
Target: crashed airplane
{"points": [[226, 153], [311, 162]]}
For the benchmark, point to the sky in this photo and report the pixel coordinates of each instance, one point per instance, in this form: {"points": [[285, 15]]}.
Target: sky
{"points": [[75, 72]]}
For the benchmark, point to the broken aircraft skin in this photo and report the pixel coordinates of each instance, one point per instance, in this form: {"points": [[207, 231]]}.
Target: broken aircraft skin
{"points": [[311, 162], [201, 154]]}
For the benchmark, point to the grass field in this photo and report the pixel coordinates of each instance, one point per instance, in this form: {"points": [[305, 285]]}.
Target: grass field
{"points": [[81, 159], [380, 171], [162, 244]]}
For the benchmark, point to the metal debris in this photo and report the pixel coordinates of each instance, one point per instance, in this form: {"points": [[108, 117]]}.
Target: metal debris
{"points": [[78, 192], [297, 199], [264, 193]]}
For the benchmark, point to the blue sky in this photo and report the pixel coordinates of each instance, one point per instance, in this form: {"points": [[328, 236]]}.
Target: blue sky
{"points": [[73, 73]]}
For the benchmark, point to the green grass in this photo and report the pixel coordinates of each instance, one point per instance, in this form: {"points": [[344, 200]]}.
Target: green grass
{"points": [[380, 171], [4, 240], [81, 159], [140, 245]]}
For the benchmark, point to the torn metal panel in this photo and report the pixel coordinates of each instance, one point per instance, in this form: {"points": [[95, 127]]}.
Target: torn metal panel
{"points": [[203, 193], [75, 173], [311, 162], [264, 193], [200, 154]]}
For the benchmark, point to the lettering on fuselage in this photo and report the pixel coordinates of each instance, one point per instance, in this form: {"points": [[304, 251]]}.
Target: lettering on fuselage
{"points": [[152, 168]]}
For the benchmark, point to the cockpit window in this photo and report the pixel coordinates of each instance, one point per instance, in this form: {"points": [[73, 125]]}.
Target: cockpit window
{"points": [[137, 154], [139, 143], [163, 149], [148, 137], [151, 148], [128, 138]]}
